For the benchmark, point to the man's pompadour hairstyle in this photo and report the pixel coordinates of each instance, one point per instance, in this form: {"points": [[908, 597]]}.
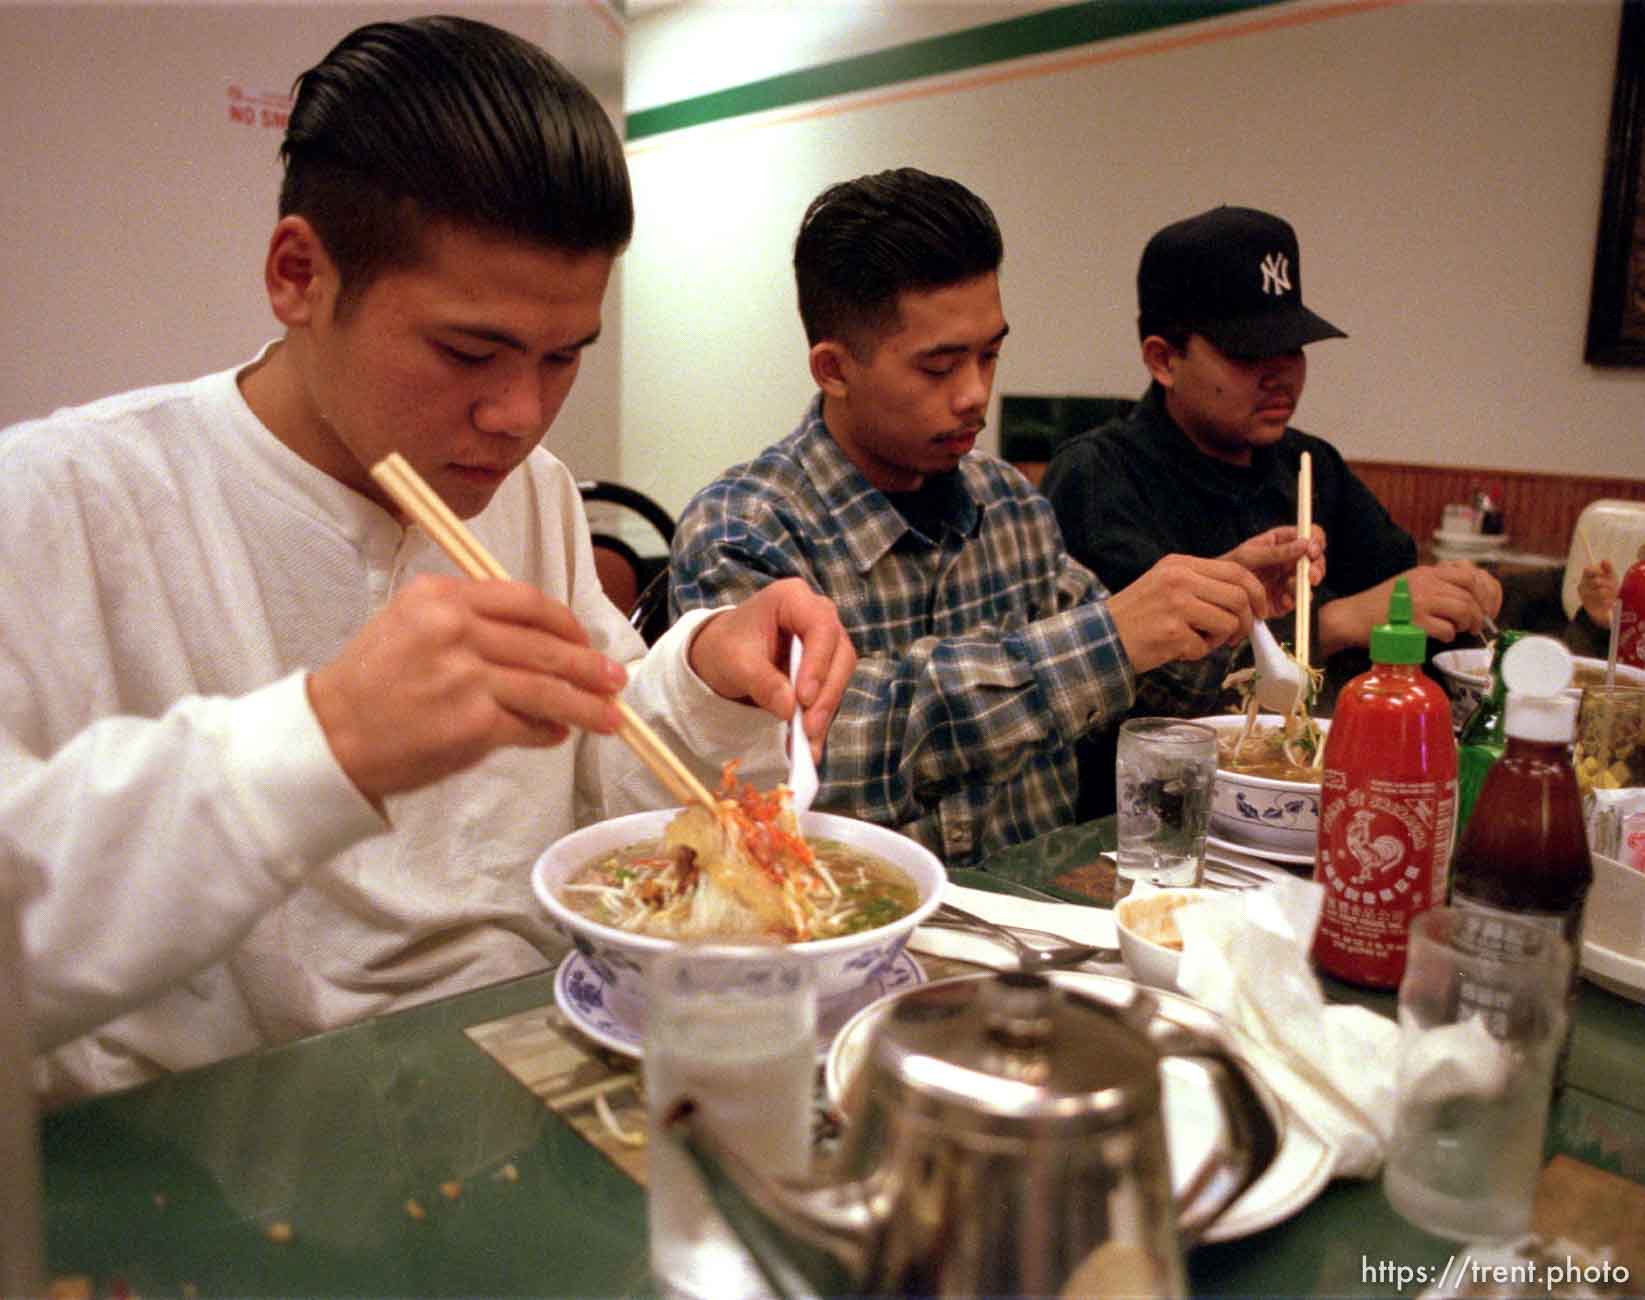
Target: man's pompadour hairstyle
{"points": [[865, 242], [404, 124]]}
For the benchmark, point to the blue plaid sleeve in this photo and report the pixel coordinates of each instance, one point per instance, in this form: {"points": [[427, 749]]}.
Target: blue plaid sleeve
{"points": [[980, 664]]}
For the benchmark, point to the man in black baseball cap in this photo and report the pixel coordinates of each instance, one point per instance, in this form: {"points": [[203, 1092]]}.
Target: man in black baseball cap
{"points": [[1233, 275], [1207, 458], [1220, 313]]}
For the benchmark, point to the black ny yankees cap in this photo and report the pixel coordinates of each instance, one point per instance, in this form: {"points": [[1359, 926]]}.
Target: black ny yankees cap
{"points": [[1233, 275]]}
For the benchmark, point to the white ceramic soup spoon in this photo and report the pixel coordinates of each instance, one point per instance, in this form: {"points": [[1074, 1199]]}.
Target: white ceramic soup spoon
{"points": [[1278, 676], [802, 770]]}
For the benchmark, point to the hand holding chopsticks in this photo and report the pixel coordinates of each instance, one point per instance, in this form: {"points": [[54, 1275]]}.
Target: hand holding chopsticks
{"points": [[422, 504]]}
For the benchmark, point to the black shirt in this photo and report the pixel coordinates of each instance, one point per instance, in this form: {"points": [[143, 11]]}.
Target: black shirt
{"points": [[1137, 489]]}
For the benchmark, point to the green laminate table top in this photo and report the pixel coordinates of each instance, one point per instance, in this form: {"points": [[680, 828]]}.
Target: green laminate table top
{"points": [[173, 1188]]}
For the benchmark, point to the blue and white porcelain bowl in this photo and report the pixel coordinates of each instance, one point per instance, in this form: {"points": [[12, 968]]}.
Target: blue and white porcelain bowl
{"points": [[843, 965], [1264, 812]]}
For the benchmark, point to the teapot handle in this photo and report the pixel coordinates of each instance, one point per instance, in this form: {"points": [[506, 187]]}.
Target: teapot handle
{"points": [[1252, 1140]]}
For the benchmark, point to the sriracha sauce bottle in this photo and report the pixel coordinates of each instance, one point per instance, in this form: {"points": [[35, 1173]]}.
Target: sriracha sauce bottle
{"points": [[1630, 596], [1387, 806]]}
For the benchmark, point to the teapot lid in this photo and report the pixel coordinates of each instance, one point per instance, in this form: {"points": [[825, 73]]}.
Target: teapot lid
{"points": [[1015, 1051]]}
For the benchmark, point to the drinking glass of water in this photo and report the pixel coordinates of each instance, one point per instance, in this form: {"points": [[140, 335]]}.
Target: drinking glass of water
{"points": [[1164, 770], [735, 1030], [1482, 1012]]}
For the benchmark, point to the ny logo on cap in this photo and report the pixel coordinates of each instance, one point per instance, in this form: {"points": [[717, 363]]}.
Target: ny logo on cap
{"points": [[1276, 274]]}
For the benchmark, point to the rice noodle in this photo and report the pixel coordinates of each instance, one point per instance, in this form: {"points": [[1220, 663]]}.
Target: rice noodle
{"points": [[746, 871], [1297, 742]]}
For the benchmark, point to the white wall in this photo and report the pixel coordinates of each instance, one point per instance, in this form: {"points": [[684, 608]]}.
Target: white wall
{"points": [[707, 45], [136, 210], [1442, 162]]}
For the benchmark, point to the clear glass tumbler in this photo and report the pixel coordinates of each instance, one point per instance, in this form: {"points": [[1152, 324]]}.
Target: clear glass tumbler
{"points": [[1164, 771], [1482, 1012], [734, 1029]]}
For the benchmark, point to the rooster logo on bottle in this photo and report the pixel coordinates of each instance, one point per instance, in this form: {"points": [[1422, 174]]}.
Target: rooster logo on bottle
{"points": [[1375, 856]]}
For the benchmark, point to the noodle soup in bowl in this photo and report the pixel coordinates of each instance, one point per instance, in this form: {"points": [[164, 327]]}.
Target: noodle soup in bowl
{"points": [[842, 965], [1466, 676], [1266, 807]]}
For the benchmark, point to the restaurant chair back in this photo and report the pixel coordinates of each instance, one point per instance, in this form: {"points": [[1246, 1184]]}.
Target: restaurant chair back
{"points": [[650, 616], [1614, 530], [626, 574]]}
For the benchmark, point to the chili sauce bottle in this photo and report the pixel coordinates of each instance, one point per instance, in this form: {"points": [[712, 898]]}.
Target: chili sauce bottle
{"points": [[1525, 851], [1483, 736], [1630, 596], [1387, 806]]}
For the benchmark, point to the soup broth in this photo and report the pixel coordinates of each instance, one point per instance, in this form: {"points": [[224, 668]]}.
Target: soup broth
{"points": [[641, 886], [1265, 752]]}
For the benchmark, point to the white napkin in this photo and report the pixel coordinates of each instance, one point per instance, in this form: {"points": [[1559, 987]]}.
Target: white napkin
{"points": [[1078, 923], [1245, 956], [1463, 1059]]}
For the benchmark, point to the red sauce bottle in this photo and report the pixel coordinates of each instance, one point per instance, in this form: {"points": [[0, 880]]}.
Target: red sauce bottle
{"points": [[1630, 596], [1525, 850], [1387, 806]]}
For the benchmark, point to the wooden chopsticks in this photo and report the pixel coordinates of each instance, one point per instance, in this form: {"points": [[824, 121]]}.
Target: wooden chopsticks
{"points": [[421, 503], [1305, 528]]}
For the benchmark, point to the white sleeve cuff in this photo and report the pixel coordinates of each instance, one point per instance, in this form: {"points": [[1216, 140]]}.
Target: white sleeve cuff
{"points": [[708, 723], [298, 802]]}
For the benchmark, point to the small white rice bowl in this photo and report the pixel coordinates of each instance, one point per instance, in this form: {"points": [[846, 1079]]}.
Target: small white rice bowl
{"points": [[1149, 941], [1263, 812], [842, 965]]}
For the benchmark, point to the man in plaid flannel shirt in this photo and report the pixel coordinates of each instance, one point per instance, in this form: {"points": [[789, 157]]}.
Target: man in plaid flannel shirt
{"points": [[985, 650]]}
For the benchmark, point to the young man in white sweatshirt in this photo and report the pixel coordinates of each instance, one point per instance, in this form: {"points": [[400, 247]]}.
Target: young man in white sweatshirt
{"points": [[279, 765]]}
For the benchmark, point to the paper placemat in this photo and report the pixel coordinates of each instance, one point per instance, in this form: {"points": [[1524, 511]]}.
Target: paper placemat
{"points": [[1094, 879], [1602, 1211], [574, 1077]]}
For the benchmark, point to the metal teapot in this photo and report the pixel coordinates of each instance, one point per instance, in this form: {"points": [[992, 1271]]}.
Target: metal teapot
{"points": [[1006, 1137]]}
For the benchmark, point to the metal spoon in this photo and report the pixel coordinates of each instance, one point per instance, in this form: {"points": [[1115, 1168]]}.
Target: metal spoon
{"points": [[1278, 676], [802, 768], [1055, 952]]}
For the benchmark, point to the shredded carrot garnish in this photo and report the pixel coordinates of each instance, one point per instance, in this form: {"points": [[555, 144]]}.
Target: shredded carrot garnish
{"points": [[756, 813]]}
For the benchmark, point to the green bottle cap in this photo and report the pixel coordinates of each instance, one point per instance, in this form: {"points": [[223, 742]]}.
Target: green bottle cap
{"points": [[1399, 641]]}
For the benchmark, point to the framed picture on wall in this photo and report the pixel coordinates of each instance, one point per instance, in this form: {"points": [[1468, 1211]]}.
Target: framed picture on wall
{"points": [[1616, 310]]}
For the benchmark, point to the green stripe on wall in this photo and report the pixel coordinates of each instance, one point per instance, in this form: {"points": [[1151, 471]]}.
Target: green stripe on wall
{"points": [[975, 47]]}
